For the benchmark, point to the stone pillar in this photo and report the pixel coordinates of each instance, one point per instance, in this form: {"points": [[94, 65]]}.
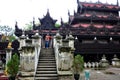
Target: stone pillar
{"points": [[27, 60], [57, 39], [115, 61], [65, 60], [104, 62], [36, 41], [8, 52], [22, 40], [71, 41]]}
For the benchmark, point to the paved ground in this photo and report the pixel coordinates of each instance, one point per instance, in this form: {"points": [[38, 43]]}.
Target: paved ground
{"points": [[108, 74]]}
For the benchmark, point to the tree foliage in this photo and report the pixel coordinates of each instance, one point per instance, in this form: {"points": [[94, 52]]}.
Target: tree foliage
{"points": [[6, 29], [13, 65], [29, 26], [78, 63], [57, 25]]}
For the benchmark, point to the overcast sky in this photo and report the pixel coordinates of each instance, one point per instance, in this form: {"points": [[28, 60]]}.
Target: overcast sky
{"points": [[23, 11]]}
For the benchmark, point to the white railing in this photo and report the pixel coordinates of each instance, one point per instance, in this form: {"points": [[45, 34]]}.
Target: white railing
{"points": [[37, 53], [56, 51]]}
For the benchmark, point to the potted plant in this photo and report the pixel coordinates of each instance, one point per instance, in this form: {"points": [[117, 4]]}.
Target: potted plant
{"points": [[13, 67], [78, 66]]}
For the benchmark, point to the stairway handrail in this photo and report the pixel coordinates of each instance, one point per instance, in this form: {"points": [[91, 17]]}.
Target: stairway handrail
{"points": [[37, 54]]}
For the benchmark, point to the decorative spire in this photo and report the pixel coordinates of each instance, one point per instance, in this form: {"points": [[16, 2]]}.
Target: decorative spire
{"points": [[79, 9], [106, 2], [68, 13], [16, 25], [61, 21], [117, 3], [33, 21], [33, 26], [48, 14], [98, 1]]}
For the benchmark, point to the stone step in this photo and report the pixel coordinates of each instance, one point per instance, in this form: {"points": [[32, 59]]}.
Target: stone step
{"points": [[48, 64], [46, 69], [53, 66], [46, 51], [46, 72], [46, 61], [47, 57], [46, 78], [46, 75], [50, 55], [53, 59]]}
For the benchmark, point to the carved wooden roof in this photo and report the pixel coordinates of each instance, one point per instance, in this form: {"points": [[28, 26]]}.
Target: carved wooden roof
{"points": [[100, 6], [86, 25]]}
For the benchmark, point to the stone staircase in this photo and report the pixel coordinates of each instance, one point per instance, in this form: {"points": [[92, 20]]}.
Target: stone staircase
{"points": [[46, 69]]}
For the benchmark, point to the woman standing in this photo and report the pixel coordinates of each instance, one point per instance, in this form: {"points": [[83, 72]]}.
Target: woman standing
{"points": [[47, 40]]}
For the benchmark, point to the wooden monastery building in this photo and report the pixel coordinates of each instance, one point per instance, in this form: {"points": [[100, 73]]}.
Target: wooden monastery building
{"points": [[95, 26]]}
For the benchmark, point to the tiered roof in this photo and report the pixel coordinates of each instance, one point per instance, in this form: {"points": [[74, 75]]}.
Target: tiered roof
{"points": [[100, 6], [96, 11], [96, 17]]}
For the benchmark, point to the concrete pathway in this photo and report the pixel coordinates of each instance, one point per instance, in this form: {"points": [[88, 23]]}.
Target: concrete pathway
{"points": [[108, 74]]}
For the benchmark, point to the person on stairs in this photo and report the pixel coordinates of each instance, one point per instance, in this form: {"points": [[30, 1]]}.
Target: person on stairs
{"points": [[47, 41]]}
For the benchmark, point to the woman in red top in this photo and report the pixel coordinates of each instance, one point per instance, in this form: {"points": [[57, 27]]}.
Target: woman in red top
{"points": [[47, 40]]}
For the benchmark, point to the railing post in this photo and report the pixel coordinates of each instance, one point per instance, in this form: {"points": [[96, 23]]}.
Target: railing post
{"points": [[64, 50]]}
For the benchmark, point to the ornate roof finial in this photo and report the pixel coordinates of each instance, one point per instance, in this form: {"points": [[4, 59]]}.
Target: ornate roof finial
{"points": [[33, 20], [79, 9], [106, 2], [68, 13], [16, 25], [117, 3], [48, 14], [33, 26], [98, 1], [61, 21]]}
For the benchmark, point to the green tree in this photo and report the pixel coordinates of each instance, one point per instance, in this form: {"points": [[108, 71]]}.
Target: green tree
{"points": [[28, 26], [57, 25], [13, 65], [7, 30]]}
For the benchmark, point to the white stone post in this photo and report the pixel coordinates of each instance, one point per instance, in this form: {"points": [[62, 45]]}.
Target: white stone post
{"points": [[104, 62], [22, 40], [8, 54], [27, 57], [65, 60], [57, 41], [71, 41], [115, 61], [36, 41]]}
